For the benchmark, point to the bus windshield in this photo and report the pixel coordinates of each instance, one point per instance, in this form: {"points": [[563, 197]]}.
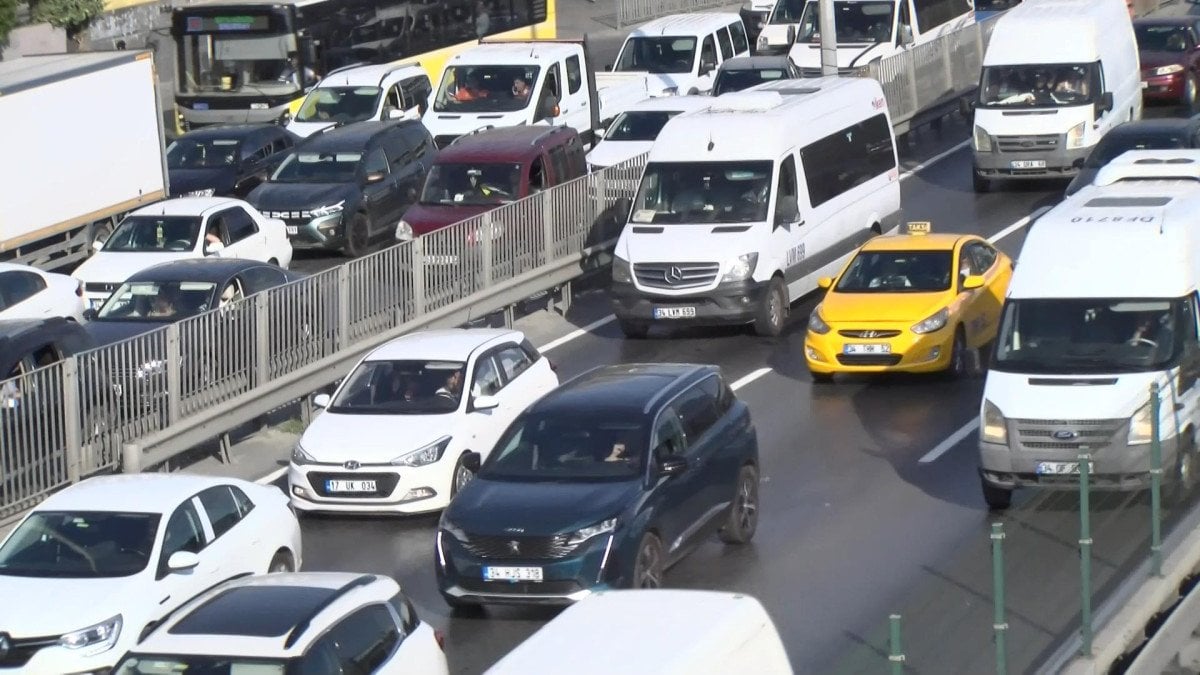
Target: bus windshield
{"points": [[217, 63]]}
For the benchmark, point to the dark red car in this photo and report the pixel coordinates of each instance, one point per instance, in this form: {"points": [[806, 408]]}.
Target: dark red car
{"points": [[1169, 51]]}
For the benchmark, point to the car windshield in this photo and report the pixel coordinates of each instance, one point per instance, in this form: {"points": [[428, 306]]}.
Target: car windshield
{"points": [[318, 167], [897, 272], [1151, 38], [657, 55], [472, 184], [576, 447], [401, 388], [641, 125], [189, 153], [157, 301], [80, 544], [172, 664], [339, 104], [1113, 145], [1091, 335], [1040, 86], [737, 80], [145, 234], [483, 89], [857, 22], [703, 192]]}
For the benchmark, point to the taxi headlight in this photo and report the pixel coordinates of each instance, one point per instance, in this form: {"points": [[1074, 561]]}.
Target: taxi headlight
{"points": [[992, 428], [815, 323], [934, 322]]}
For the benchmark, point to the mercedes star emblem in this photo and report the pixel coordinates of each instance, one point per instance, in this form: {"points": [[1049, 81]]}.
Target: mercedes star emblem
{"points": [[674, 274], [352, 465]]}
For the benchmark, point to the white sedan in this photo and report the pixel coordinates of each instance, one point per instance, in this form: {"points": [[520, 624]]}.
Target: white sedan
{"points": [[90, 568], [29, 293], [176, 229], [398, 433]]}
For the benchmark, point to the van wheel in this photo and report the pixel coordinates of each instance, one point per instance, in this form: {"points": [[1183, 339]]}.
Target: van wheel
{"points": [[358, 236], [998, 499], [633, 329], [742, 521], [773, 312], [980, 183], [1185, 473], [648, 568]]}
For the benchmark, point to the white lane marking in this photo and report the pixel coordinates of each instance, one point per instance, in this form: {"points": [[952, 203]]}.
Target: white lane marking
{"points": [[747, 379], [935, 159], [272, 477], [951, 441], [554, 344]]}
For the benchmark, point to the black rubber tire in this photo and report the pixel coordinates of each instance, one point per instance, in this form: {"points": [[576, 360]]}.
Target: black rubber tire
{"points": [[633, 329], [980, 184], [998, 499], [1183, 478], [358, 236], [281, 563], [650, 562], [1191, 92], [821, 378], [960, 357], [742, 521], [273, 261], [771, 316], [460, 608], [455, 484]]}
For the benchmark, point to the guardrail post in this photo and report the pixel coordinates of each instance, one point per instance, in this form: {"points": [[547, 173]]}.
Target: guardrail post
{"points": [[599, 198], [1085, 552], [897, 652], [72, 418], [999, 625], [174, 373], [417, 252], [485, 243], [548, 243], [1156, 471], [131, 458], [617, 6], [262, 329], [343, 296]]}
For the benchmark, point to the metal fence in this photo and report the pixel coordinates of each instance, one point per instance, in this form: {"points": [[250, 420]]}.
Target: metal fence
{"points": [[142, 401], [635, 11]]}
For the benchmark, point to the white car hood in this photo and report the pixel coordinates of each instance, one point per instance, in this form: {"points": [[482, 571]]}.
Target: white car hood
{"points": [[334, 437], [808, 55], [611, 153], [685, 243], [458, 124], [43, 607], [306, 129], [1045, 121], [1088, 397], [115, 268]]}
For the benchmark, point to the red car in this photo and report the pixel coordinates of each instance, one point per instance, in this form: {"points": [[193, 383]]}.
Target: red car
{"points": [[1169, 50]]}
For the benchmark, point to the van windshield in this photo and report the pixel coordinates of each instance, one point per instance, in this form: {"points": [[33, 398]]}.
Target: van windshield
{"points": [[667, 54], [856, 22], [485, 89], [1040, 86], [703, 192], [1092, 335]]}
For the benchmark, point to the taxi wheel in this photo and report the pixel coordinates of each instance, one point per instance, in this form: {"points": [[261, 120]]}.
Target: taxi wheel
{"points": [[960, 356], [772, 314]]}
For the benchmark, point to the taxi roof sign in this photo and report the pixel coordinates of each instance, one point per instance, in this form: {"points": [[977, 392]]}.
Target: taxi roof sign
{"points": [[919, 227]]}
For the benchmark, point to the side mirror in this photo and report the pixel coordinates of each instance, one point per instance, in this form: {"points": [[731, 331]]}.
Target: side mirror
{"points": [[550, 107], [707, 67], [98, 244], [1105, 104], [672, 466], [906, 35], [183, 561], [825, 283], [321, 401], [393, 113], [374, 177], [972, 282], [966, 107], [89, 313], [472, 460], [214, 248], [791, 35], [485, 403]]}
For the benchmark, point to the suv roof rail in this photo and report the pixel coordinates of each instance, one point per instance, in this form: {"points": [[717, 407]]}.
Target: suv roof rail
{"points": [[473, 132], [690, 372], [303, 624], [339, 69], [153, 625]]}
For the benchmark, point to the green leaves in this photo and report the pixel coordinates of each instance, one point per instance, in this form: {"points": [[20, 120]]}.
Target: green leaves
{"points": [[8, 19]]}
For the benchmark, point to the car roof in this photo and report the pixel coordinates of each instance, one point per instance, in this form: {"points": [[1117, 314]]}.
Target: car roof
{"points": [[1181, 21], [238, 131], [137, 492], [500, 144], [197, 269], [187, 206], [630, 388], [935, 241], [680, 103], [756, 62], [449, 344], [352, 136], [1163, 125], [13, 331], [18, 267], [683, 25], [368, 75]]}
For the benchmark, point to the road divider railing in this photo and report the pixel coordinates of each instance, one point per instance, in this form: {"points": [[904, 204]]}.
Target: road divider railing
{"points": [[140, 402]]}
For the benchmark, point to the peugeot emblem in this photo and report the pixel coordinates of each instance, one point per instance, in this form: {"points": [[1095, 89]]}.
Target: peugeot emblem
{"points": [[352, 465], [514, 547], [4, 646], [1065, 434], [674, 274]]}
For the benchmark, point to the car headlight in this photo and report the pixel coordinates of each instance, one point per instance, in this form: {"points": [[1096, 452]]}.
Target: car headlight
{"points": [[426, 455], [151, 368], [741, 268], [762, 42], [1141, 427], [452, 529], [404, 232], [983, 141], [603, 527], [200, 193], [935, 322], [815, 323], [1075, 135], [621, 271], [99, 638], [992, 428], [300, 456], [1168, 70], [322, 211]]}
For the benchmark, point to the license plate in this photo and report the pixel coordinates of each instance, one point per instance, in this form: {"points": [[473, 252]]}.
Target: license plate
{"points": [[674, 312], [1028, 164], [293, 230], [512, 573], [350, 486], [1057, 468], [867, 349]]}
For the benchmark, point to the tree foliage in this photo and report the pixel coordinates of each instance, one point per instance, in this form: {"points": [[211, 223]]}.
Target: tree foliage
{"points": [[73, 16], [8, 19]]}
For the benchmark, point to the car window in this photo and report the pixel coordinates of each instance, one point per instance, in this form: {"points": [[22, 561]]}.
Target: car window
{"points": [[239, 225], [416, 141], [726, 45], [513, 361], [397, 150], [697, 410], [708, 53], [395, 99], [184, 533], [537, 176], [375, 162], [574, 74], [221, 508], [244, 504], [668, 439], [487, 379], [738, 32], [320, 659], [365, 640], [983, 256], [558, 160], [18, 286]]}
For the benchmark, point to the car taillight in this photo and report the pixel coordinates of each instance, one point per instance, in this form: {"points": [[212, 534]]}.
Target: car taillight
{"points": [[441, 639]]}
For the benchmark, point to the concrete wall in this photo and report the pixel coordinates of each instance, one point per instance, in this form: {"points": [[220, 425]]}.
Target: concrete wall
{"points": [[40, 38]]}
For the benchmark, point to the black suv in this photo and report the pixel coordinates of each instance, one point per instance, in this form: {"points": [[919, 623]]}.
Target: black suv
{"points": [[225, 160], [344, 188]]}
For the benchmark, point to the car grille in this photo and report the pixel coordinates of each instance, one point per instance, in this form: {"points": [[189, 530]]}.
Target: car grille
{"points": [[520, 587], [444, 140], [1018, 144], [21, 651], [869, 359], [526, 548], [1039, 434], [676, 275], [100, 288], [385, 483], [869, 334]]}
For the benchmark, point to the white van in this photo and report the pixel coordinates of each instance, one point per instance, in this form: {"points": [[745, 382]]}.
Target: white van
{"points": [[653, 632], [683, 51], [744, 206], [360, 93], [867, 30], [1102, 304], [1057, 75]]}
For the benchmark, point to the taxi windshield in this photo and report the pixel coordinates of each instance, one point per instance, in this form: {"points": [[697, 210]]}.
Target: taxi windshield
{"points": [[897, 272]]}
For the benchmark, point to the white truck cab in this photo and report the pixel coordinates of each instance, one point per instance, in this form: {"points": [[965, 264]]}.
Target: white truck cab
{"points": [[743, 206], [1102, 305], [682, 52], [361, 93]]}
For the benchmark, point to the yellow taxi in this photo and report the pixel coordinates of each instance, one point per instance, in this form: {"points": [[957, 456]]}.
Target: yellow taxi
{"points": [[913, 302]]}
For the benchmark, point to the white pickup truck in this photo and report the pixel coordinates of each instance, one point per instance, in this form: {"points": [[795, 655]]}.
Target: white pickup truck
{"points": [[510, 83]]}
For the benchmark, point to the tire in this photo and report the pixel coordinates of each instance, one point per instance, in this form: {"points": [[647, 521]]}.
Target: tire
{"points": [[998, 499], [772, 314], [633, 329], [461, 608], [461, 476], [959, 368], [358, 236], [273, 261], [822, 378], [742, 521], [1191, 91], [980, 184], [281, 563], [1183, 481], [650, 562]]}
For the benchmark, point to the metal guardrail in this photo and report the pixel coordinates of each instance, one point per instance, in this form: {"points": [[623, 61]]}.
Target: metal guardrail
{"points": [[635, 11]]}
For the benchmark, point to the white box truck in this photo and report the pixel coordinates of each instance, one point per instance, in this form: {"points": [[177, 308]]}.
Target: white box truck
{"points": [[71, 171]]}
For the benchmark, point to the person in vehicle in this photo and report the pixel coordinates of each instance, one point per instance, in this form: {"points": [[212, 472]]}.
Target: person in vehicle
{"points": [[470, 90], [452, 387], [162, 306], [520, 89]]}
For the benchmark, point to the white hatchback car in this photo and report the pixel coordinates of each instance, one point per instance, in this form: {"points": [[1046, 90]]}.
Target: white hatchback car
{"points": [[633, 131], [317, 623], [398, 435], [29, 293], [91, 568], [175, 229]]}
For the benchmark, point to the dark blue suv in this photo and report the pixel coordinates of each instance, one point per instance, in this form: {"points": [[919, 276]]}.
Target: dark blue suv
{"points": [[603, 483]]}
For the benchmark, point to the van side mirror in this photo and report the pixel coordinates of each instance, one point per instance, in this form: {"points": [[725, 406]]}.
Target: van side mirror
{"points": [[393, 113], [213, 248], [786, 212], [966, 107], [1105, 104], [550, 106], [905, 35], [707, 67], [825, 282], [791, 35], [972, 282], [98, 244]]}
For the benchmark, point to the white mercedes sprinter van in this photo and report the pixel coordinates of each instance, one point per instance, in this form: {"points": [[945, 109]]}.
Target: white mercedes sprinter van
{"points": [[1102, 304], [744, 206], [1057, 75]]}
